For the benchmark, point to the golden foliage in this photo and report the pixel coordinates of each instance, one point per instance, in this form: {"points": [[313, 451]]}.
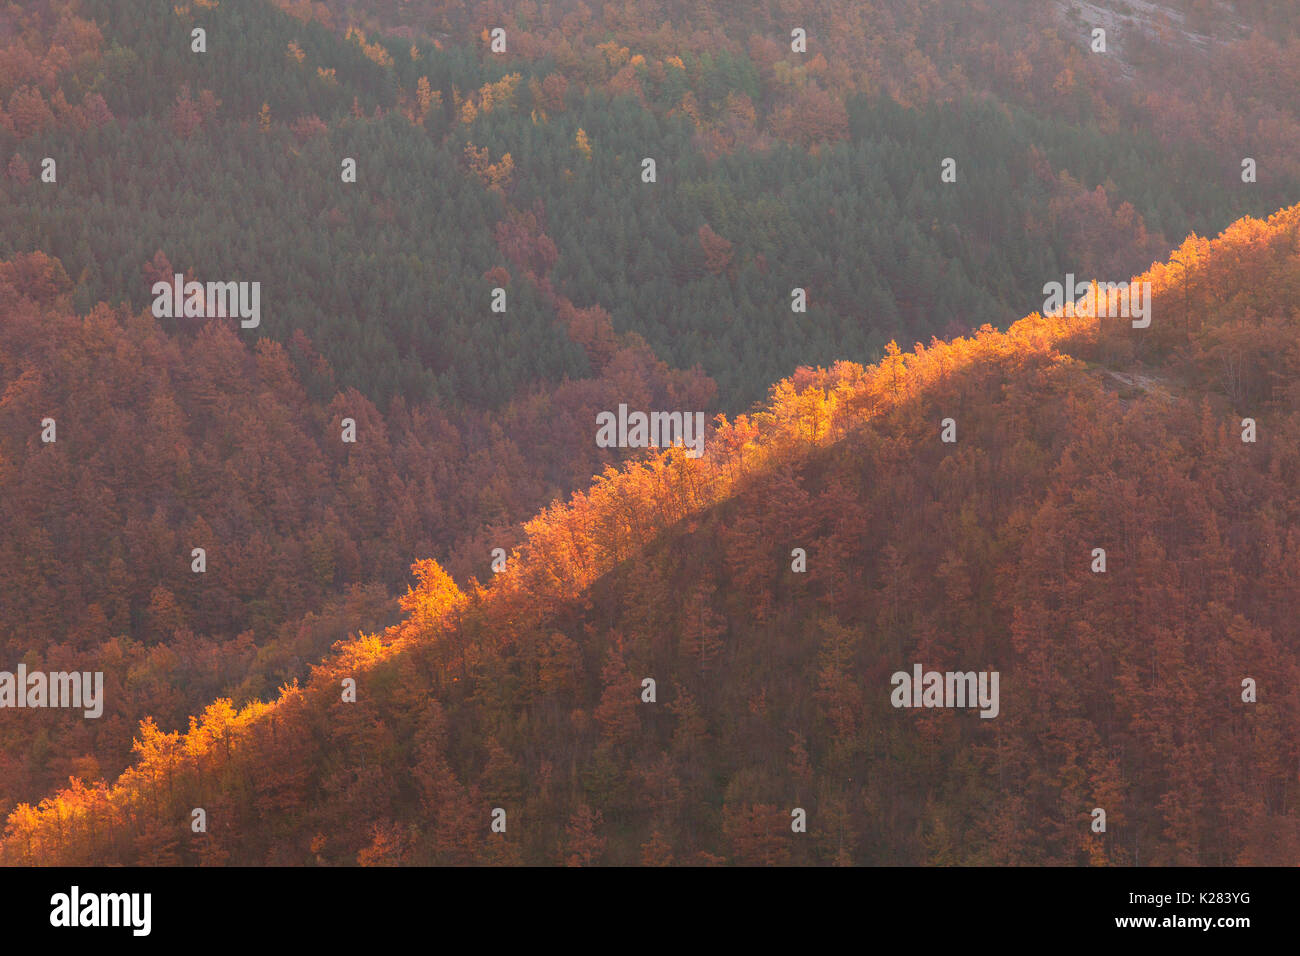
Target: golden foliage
{"points": [[433, 597], [500, 93], [374, 52], [425, 98], [497, 175]]}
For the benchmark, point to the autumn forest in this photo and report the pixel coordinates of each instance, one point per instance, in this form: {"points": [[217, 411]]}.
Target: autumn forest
{"points": [[365, 585]]}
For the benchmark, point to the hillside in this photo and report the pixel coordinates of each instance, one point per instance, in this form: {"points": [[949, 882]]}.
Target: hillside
{"points": [[776, 169], [167, 443], [518, 172], [1120, 690]]}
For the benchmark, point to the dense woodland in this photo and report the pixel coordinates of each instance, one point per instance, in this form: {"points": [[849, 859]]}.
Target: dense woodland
{"points": [[776, 171], [169, 443], [522, 171], [1119, 689]]}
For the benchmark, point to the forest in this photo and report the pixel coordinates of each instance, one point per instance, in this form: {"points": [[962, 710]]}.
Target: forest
{"points": [[518, 176], [1119, 688]]}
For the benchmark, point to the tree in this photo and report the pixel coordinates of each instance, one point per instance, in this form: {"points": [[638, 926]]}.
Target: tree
{"points": [[584, 844]]}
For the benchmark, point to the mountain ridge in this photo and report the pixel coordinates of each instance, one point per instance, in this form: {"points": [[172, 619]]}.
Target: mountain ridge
{"points": [[526, 694]]}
